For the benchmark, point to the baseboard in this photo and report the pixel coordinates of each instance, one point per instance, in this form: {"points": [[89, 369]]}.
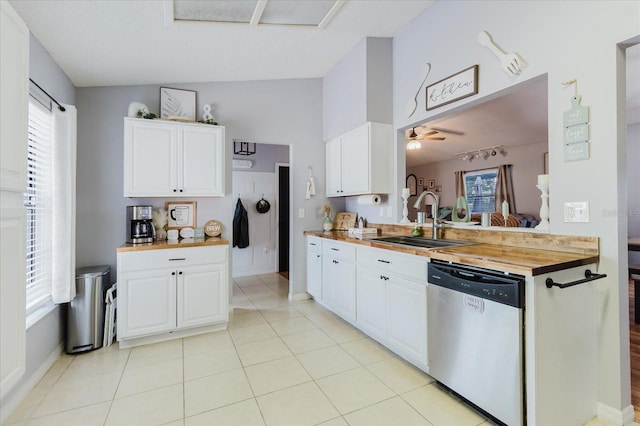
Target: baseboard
{"points": [[299, 296], [27, 386], [616, 417]]}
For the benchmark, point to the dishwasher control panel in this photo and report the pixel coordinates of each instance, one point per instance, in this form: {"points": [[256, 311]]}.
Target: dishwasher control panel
{"points": [[484, 283]]}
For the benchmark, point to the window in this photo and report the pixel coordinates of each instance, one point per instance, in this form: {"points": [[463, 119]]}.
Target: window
{"points": [[480, 190], [38, 202]]}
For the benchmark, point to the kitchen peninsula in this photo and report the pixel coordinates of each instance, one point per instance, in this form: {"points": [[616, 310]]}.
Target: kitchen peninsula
{"points": [[381, 289]]}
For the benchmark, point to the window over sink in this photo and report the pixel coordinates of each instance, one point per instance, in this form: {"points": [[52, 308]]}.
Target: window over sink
{"points": [[480, 190]]}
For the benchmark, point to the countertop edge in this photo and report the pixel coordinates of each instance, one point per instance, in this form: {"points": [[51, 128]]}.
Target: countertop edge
{"points": [[169, 244]]}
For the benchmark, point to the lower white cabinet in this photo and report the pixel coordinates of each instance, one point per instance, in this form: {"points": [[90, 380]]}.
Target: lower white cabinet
{"points": [[314, 267], [175, 291], [392, 301], [339, 278]]}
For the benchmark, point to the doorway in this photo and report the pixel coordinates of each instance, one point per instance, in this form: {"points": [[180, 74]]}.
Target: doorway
{"points": [[283, 217]]}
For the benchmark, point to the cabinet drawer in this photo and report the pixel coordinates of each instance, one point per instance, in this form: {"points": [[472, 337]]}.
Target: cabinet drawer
{"points": [[339, 250], [314, 244], [409, 266], [167, 258]]}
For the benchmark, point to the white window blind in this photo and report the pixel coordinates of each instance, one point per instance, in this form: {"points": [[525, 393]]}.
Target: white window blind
{"points": [[38, 202]]}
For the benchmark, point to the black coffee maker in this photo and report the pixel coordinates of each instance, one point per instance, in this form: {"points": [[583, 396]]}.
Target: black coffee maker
{"points": [[140, 227]]}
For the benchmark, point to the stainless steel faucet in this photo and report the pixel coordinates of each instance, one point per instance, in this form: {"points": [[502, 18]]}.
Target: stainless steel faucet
{"points": [[436, 223]]}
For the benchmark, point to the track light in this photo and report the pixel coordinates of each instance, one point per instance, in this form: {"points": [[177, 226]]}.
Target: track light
{"points": [[485, 153]]}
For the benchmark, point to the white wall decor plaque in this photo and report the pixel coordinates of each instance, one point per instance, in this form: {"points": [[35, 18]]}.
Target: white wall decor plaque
{"points": [[453, 88]]}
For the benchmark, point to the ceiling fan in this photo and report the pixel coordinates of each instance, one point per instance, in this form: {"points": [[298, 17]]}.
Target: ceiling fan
{"points": [[414, 138]]}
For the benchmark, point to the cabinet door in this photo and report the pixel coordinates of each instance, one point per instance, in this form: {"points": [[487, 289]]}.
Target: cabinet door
{"points": [[355, 161], [201, 161], [334, 168], [314, 274], [371, 302], [407, 319], [339, 281], [146, 302], [150, 168], [202, 295]]}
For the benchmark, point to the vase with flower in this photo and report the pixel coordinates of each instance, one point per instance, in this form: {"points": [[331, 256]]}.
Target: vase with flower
{"points": [[328, 223]]}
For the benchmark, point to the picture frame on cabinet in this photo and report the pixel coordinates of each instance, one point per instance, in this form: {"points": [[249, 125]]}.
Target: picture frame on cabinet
{"points": [[177, 104], [181, 214]]}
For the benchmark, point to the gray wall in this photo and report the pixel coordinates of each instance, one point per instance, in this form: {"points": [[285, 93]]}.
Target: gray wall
{"points": [[44, 336], [273, 112], [265, 158]]}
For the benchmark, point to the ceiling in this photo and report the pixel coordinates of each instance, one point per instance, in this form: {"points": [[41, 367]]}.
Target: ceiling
{"points": [[517, 117], [125, 42]]}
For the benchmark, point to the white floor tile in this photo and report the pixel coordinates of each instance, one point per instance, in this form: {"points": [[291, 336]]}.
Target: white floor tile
{"points": [[275, 375], [155, 407], [307, 341], [218, 341], [86, 416], [157, 352], [215, 391], [245, 319], [245, 413], [399, 375], [440, 408], [392, 411], [153, 376], [354, 389], [252, 333], [209, 363], [326, 361], [278, 314], [292, 325], [300, 405], [262, 351], [367, 351], [342, 333]]}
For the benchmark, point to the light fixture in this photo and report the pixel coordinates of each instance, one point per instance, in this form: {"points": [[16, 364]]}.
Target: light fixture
{"points": [[413, 142], [485, 153], [244, 147]]}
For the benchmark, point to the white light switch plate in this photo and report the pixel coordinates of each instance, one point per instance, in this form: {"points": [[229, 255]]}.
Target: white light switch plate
{"points": [[300, 213], [576, 211]]}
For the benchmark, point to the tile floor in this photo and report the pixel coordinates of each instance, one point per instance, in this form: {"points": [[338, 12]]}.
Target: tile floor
{"points": [[277, 364]]}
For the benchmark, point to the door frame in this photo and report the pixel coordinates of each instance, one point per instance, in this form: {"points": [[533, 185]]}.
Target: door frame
{"points": [[277, 234]]}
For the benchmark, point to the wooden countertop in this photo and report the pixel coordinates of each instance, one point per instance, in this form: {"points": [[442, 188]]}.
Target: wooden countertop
{"points": [[182, 243], [517, 260]]}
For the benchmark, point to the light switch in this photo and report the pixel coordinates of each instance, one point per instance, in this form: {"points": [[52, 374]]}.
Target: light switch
{"points": [[576, 211], [300, 213]]}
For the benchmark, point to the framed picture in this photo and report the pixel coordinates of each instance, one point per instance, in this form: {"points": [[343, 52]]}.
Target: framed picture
{"points": [[177, 104], [438, 189], [545, 163], [181, 214], [412, 184], [453, 88], [420, 181], [432, 183]]}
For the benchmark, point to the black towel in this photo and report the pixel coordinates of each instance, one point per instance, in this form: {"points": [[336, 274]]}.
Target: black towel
{"points": [[240, 226]]}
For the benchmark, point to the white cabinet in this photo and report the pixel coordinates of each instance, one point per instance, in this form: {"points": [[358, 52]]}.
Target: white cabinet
{"points": [[14, 77], [167, 290], [392, 301], [360, 161], [339, 278], [166, 159], [314, 267]]}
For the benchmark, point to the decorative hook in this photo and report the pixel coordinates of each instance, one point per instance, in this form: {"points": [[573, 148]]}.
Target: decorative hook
{"points": [[570, 82]]}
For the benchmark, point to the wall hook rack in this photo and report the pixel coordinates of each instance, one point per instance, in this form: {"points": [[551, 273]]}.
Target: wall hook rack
{"points": [[588, 276]]}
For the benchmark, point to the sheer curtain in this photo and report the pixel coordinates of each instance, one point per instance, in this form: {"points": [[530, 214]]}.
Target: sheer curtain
{"points": [[63, 287], [504, 188]]}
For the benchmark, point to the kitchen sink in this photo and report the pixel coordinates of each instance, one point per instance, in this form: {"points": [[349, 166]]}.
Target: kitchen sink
{"points": [[427, 243]]}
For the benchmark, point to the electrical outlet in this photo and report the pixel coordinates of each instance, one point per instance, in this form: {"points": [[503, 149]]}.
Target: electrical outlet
{"points": [[576, 211], [389, 211], [381, 211], [300, 213]]}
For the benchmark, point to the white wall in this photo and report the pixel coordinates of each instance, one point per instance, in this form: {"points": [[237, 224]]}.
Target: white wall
{"points": [[43, 337], [266, 157], [565, 40], [274, 112]]}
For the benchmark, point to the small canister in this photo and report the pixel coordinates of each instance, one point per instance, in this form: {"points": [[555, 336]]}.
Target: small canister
{"points": [[421, 217], [486, 220]]}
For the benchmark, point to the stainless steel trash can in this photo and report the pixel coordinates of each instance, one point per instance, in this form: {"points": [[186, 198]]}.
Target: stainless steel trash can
{"points": [[85, 313]]}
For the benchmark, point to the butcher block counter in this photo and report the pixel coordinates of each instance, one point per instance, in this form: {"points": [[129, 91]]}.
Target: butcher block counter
{"points": [[523, 253], [168, 244]]}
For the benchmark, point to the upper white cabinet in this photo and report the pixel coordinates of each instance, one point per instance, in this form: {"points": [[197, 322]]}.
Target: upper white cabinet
{"points": [[361, 161], [166, 159]]}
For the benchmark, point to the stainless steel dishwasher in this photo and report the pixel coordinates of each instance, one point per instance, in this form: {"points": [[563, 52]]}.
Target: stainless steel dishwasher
{"points": [[475, 337]]}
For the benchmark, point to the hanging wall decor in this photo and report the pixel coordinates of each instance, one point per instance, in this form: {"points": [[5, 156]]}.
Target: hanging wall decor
{"points": [[576, 128], [453, 88]]}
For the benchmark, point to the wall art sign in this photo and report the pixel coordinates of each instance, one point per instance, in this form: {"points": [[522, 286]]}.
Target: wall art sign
{"points": [[181, 214], [177, 104], [453, 88], [576, 131]]}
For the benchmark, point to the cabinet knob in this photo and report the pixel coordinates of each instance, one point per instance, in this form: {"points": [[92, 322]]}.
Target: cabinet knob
{"points": [[335, 261], [173, 273], [175, 190], [180, 273], [181, 190]]}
